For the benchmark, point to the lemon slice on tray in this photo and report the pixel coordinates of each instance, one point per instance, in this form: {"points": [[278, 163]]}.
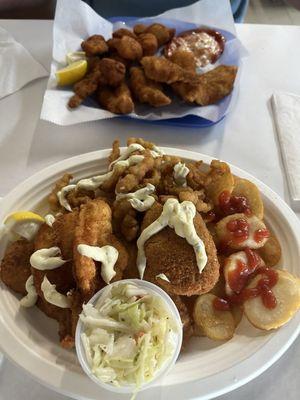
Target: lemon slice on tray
{"points": [[23, 223], [75, 56], [72, 73]]}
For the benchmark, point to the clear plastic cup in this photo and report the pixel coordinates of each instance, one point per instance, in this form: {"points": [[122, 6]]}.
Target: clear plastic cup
{"points": [[168, 364]]}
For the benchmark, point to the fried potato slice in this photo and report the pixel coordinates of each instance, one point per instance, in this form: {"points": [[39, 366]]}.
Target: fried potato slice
{"points": [[237, 313], [271, 251], [287, 293], [255, 224], [221, 183], [215, 324], [247, 189]]}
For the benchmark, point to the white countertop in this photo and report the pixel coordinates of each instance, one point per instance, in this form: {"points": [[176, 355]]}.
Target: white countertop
{"points": [[246, 138]]}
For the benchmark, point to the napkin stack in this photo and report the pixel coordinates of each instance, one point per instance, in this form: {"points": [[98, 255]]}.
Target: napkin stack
{"points": [[17, 65], [286, 113]]}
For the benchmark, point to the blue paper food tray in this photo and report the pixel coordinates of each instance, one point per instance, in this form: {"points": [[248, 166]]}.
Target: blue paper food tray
{"points": [[189, 121]]}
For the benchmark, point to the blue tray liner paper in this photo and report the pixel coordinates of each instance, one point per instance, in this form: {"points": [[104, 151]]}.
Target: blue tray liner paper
{"points": [[232, 55]]}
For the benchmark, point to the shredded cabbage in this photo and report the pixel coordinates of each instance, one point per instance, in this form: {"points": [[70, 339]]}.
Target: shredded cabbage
{"points": [[127, 335]]}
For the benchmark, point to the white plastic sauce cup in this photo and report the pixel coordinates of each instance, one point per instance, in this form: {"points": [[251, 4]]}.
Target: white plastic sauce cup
{"points": [[168, 364]]}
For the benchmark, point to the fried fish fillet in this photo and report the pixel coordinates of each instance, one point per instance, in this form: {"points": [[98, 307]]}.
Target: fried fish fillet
{"points": [[94, 228], [211, 87], [168, 253], [163, 70], [146, 90], [15, 266], [116, 100]]}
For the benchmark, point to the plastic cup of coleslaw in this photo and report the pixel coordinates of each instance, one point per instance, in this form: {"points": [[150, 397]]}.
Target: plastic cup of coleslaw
{"points": [[174, 337]]}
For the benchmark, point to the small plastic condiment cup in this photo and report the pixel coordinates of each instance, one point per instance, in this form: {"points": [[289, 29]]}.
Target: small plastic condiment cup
{"points": [[168, 364]]}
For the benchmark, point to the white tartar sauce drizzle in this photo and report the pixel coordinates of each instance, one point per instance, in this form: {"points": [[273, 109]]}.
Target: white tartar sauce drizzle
{"points": [[180, 217], [163, 277], [31, 297], [46, 259], [107, 255], [49, 219], [61, 195], [140, 200], [53, 296], [94, 182], [128, 151], [180, 173]]}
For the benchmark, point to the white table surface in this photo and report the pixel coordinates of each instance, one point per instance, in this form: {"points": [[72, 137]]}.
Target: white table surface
{"points": [[245, 138]]}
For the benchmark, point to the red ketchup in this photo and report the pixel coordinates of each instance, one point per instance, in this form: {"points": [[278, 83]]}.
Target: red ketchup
{"points": [[261, 234], [263, 289], [221, 304], [207, 45], [238, 278], [238, 229], [233, 204]]}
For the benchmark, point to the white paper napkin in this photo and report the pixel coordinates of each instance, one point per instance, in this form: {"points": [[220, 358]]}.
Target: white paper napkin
{"points": [[17, 65], [286, 113]]}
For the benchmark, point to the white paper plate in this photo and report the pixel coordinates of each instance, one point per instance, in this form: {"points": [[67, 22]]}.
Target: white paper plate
{"points": [[205, 370]]}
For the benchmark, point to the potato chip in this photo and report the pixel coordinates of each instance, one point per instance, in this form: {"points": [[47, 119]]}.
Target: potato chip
{"points": [[245, 188], [287, 293], [271, 251], [215, 324], [221, 183]]}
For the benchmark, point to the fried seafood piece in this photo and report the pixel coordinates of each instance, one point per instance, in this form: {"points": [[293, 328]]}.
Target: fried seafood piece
{"points": [[78, 197], [211, 87], [125, 219], [114, 55], [94, 228], [60, 235], [52, 198], [131, 271], [115, 151], [139, 28], [146, 90], [119, 33], [185, 316], [127, 47], [168, 253], [84, 88], [112, 72], [118, 100], [135, 174], [162, 33], [94, 45], [163, 70], [197, 198], [196, 178], [149, 43], [15, 266], [184, 59]]}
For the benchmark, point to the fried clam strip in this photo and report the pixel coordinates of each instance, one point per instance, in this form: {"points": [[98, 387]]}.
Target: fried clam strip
{"points": [[173, 256], [52, 198], [94, 228], [163, 70], [135, 174], [125, 219], [115, 151]]}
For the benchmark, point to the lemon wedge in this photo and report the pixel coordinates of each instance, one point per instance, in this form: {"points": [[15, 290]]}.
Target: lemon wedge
{"points": [[75, 56], [72, 73], [24, 223]]}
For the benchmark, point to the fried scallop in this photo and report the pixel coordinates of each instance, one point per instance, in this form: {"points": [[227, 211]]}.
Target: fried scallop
{"points": [[15, 266], [168, 253]]}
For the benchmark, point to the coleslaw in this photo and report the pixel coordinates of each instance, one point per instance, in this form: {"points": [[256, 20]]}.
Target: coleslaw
{"points": [[127, 335]]}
